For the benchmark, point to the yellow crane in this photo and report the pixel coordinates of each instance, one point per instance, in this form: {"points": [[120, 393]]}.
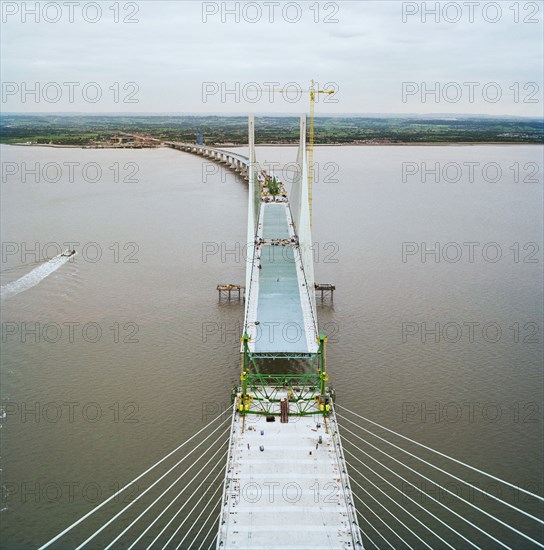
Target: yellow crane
{"points": [[312, 91]]}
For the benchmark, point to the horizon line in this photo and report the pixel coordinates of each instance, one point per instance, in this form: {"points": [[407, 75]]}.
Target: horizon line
{"points": [[270, 114]]}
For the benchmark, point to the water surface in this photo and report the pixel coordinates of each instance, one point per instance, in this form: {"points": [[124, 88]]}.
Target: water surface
{"points": [[146, 354]]}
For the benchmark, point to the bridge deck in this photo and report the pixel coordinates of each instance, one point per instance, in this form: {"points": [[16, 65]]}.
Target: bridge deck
{"points": [[286, 485], [292, 494], [280, 317]]}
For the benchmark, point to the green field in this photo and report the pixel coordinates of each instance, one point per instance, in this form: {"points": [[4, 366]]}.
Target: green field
{"points": [[88, 130]]}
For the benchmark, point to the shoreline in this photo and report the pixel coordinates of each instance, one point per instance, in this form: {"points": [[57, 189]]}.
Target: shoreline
{"points": [[235, 146]]}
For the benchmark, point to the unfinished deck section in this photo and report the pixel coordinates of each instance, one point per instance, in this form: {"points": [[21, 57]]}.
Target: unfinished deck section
{"points": [[280, 313]]}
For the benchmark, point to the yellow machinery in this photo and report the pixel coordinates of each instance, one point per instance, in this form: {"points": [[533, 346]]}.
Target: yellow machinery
{"points": [[312, 91]]}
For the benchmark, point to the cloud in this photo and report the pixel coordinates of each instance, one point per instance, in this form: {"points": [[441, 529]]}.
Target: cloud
{"points": [[176, 46]]}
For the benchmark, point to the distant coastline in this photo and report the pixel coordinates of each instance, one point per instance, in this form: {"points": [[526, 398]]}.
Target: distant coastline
{"points": [[231, 131], [231, 146]]}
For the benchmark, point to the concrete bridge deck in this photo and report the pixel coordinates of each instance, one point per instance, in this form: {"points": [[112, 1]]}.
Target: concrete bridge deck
{"points": [[280, 316], [235, 161], [286, 486]]}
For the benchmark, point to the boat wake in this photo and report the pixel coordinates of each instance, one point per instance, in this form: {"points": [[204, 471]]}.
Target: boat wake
{"points": [[32, 278]]}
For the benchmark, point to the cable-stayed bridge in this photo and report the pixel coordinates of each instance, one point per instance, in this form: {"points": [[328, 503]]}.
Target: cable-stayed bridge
{"points": [[284, 435], [286, 467]]}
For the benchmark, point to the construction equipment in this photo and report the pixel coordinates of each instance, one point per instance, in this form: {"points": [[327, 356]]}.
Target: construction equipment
{"points": [[312, 91]]}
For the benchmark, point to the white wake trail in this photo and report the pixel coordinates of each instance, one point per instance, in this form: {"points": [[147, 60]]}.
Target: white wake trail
{"points": [[33, 277]]}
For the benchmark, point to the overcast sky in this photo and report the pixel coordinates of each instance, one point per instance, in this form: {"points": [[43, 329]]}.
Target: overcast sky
{"points": [[370, 51]]}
